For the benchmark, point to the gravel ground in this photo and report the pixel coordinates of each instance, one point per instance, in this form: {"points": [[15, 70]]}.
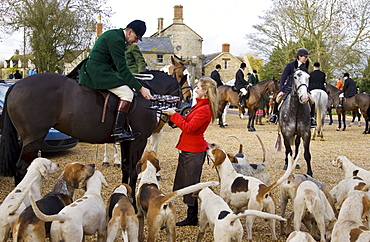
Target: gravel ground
{"points": [[350, 143]]}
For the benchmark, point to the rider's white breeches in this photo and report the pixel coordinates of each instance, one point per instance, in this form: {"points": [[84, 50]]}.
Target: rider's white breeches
{"points": [[123, 92], [243, 90]]}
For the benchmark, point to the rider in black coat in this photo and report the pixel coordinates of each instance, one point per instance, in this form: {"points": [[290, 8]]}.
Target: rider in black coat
{"points": [[286, 81], [349, 89], [215, 75], [241, 84], [317, 78]]}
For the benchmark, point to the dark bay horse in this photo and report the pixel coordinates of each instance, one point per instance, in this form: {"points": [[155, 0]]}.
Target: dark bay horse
{"points": [[294, 119], [256, 92], [359, 101], [39, 102]]}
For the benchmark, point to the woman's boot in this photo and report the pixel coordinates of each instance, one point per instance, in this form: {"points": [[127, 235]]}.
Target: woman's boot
{"points": [[192, 216]]}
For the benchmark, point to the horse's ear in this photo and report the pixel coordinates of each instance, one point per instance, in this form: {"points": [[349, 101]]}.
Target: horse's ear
{"points": [[173, 60]]}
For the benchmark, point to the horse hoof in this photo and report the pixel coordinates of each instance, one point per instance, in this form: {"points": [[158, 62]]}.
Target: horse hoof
{"points": [[222, 127], [297, 166], [253, 129], [117, 165], [105, 164], [250, 130], [285, 167], [226, 124], [337, 129]]}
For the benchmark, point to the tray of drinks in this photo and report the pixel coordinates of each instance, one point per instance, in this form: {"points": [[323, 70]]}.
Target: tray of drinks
{"points": [[163, 102]]}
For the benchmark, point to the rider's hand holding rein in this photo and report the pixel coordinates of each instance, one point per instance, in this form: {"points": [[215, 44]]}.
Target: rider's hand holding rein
{"points": [[145, 93]]}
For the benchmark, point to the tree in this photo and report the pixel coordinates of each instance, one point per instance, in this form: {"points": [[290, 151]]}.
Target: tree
{"points": [[52, 26], [336, 33]]}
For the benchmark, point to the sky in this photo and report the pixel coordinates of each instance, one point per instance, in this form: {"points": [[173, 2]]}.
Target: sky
{"points": [[216, 21]]}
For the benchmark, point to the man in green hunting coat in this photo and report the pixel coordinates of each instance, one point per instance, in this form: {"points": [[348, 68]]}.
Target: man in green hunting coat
{"points": [[106, 68]]}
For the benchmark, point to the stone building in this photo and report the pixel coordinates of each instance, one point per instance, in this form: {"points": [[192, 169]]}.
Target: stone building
{"points": [[229, 63], [187, 44]]}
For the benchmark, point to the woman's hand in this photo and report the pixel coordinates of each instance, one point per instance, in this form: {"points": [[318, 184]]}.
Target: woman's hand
{"points": [[169, 111]]}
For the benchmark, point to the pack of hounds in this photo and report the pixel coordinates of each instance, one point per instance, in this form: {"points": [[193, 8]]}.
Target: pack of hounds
{"points": [[338, 215]]}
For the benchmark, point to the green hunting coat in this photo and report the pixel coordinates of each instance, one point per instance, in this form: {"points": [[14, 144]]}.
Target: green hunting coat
{"points": [[106, 65], [135, 60]]}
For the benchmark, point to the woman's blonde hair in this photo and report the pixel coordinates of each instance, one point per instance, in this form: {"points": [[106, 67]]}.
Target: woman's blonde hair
{"points": [[207, 83]]}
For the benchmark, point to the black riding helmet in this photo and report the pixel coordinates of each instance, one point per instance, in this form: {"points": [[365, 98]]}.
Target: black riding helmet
{"points": [[302, 52]]}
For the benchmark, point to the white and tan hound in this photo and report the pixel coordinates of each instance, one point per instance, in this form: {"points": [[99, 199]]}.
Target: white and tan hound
{"points": [[238, 190], [30, 228], [153, 203], [17, 200]]}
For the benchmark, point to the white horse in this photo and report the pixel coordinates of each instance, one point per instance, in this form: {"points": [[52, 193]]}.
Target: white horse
{"points": [[320, 97]]}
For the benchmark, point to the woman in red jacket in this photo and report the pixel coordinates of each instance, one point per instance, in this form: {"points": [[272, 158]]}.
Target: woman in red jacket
{"points": [[192, 145]]}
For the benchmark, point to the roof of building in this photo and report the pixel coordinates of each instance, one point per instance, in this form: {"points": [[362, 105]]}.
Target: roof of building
{"points": [[165, 29], [208, 58], [156, 45]]}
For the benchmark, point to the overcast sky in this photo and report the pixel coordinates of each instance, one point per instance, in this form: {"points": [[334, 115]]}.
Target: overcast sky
{"points": [[217, 21]]}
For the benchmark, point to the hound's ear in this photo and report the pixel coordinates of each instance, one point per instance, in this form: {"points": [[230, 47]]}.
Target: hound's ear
{"points": [[139, 165], [75, 183], [43, 171], [103, 181], [366, 205], [220, 156], [232, 158]]}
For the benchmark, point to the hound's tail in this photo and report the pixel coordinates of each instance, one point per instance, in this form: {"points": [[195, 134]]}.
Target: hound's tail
{"points": [[26, 191], [190, 189], [264, 150], [47, 218], [240, 143], [288, 172], [249, 212]]}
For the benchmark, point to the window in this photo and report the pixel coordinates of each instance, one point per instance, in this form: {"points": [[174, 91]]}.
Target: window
{"points": [[225, 64], [159, 58]]}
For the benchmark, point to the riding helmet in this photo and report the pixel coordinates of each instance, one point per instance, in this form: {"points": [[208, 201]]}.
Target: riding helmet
{"points": [[302, 52], [138, 27]]}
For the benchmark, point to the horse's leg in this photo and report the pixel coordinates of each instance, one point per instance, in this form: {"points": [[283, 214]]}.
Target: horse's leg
{"points": [[117, 161], [125, 166], [29, 153], [344, 120], [339, 121], [297, 143], [154, 140], [330, 117], [224, 114], [288, 151], [221, 109], [106, 156], [307, 154]]}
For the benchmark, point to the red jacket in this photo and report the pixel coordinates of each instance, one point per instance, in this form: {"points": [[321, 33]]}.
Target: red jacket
{"points": [[193, 127]]}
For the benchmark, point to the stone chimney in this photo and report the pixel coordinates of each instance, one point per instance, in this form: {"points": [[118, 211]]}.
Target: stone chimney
{"points": [[160, 26], [177, 15], [99, 26], [225, 47]]}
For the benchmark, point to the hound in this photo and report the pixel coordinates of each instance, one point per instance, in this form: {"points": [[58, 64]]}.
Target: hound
{"points": [[348, 167], [17, 200], [85, 216], [30, 228], [153, 203], [238, 190], [299, 236], [288, 190], [340, 191], [349, 226], [309, 197], [224, 223], [242, 166], [121, 215]]}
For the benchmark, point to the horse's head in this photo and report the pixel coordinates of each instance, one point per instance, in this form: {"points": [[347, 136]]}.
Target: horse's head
{"points": [[178, 71], [300, 85], [272, 88]]}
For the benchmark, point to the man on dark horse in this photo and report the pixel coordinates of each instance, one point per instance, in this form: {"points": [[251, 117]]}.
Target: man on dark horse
{"points": [[241, 84], [349, 89], [286, 81], [106, 68]]}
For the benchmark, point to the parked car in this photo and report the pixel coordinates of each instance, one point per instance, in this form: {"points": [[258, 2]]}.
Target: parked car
{"points": [[55, 141]]}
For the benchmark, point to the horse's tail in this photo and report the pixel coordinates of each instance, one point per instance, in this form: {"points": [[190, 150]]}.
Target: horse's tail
{"points": [[10, 148], [319, 111]]}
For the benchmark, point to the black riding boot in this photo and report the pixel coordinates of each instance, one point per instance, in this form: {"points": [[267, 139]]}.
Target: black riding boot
{"points": [[192, 217], [119, 132], [275, 113], [340, 105], [313, 120], [241, 102]]}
